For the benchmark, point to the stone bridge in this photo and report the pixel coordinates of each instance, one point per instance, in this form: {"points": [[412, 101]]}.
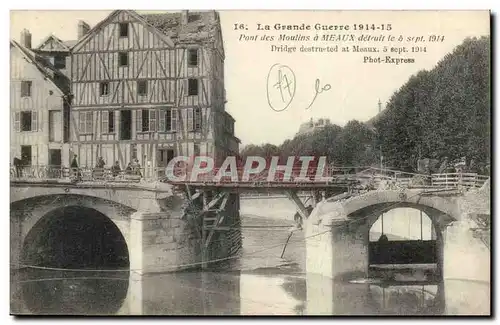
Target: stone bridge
{"points": [[144, 227], [337, 234], [148, 228]]}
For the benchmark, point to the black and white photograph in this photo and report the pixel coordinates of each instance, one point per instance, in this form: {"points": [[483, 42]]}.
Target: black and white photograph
{"points": [[250, 162]]}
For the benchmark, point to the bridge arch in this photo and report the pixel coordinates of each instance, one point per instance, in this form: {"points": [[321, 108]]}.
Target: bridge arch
{"points": [[36, 216], [339, 229], [441, 210]]}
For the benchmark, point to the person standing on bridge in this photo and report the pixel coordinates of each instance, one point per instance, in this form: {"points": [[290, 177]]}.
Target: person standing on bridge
{"points": [[136, 166], [18, 165], [115, 169], [74, 168]]}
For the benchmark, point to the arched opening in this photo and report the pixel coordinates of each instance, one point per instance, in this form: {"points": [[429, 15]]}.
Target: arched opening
{"points": [[403, 246], [75, 237], [91, 246]]}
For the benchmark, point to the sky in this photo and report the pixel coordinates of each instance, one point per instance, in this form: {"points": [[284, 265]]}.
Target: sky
{"points": [[352, 88]]}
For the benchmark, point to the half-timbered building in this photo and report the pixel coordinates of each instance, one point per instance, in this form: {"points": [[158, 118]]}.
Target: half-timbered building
{"points": [[150, 87], [39, 103]]}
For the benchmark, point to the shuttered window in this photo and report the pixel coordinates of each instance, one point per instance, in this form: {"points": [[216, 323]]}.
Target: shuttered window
{"points": [[26, 121], [105, 122], [108, 122], [17, 121], [167, 120], [197, 119], [146, 120], [174, 120], [190, 121], [152, 120], [85, 122]]}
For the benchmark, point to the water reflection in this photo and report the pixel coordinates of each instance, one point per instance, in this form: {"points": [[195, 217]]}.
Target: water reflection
{"points": [[267, 292], [57, 292], [258, 284]]}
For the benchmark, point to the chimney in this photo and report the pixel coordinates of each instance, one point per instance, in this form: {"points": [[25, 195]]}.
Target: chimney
{"points": [[26, 38], [184, 17], [83, 28]]}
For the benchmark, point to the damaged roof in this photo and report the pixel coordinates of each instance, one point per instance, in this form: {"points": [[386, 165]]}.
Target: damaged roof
{"points": [[201, 25], [42, 64]]}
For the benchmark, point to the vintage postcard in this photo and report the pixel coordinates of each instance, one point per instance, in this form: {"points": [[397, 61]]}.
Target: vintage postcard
{"points": [[250, 162]]}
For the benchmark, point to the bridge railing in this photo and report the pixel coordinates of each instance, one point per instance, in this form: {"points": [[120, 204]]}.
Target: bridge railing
{"points": [[454, 180], [368, 177]]}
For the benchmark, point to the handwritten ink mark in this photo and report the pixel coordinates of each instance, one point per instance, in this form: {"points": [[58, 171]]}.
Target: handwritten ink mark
{"points": [[284, 84], [319, 90]]}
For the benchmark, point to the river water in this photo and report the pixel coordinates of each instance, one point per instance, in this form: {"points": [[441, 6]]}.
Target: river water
{"points": [[259, 283]]}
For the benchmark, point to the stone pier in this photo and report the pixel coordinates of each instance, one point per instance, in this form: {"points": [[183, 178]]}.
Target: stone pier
{"points": [[162, 242], [335, 247]]}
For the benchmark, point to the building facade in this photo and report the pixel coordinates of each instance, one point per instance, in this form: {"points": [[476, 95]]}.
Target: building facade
{"points": [[39, 106], [312, 126], [150, 87]]}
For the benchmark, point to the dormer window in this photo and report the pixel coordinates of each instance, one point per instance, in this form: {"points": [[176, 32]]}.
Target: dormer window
{"points": [[124, 30], [59, 62]]}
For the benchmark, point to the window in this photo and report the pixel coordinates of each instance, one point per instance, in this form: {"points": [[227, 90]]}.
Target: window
{"points": [[26, 121], [108, 122], [168, 120], [104, 88], [197, 119], [111, 125], [192, 87], [193, 17], [85, 122], [194, 119], [193, 57], [25, 88], [142, 88], [124, 30], [146, 120], [123, 58], [60, 62], [190, 119]]}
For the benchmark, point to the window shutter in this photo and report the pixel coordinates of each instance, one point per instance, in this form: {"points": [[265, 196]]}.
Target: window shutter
{"points": [[190, 119], [186, 87], [89, 122], [152, 120], [138, 119], [17, 121], [105, 121], [34, 121], [174, 120], [161, 120], [81, 122], [197, 118]]}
